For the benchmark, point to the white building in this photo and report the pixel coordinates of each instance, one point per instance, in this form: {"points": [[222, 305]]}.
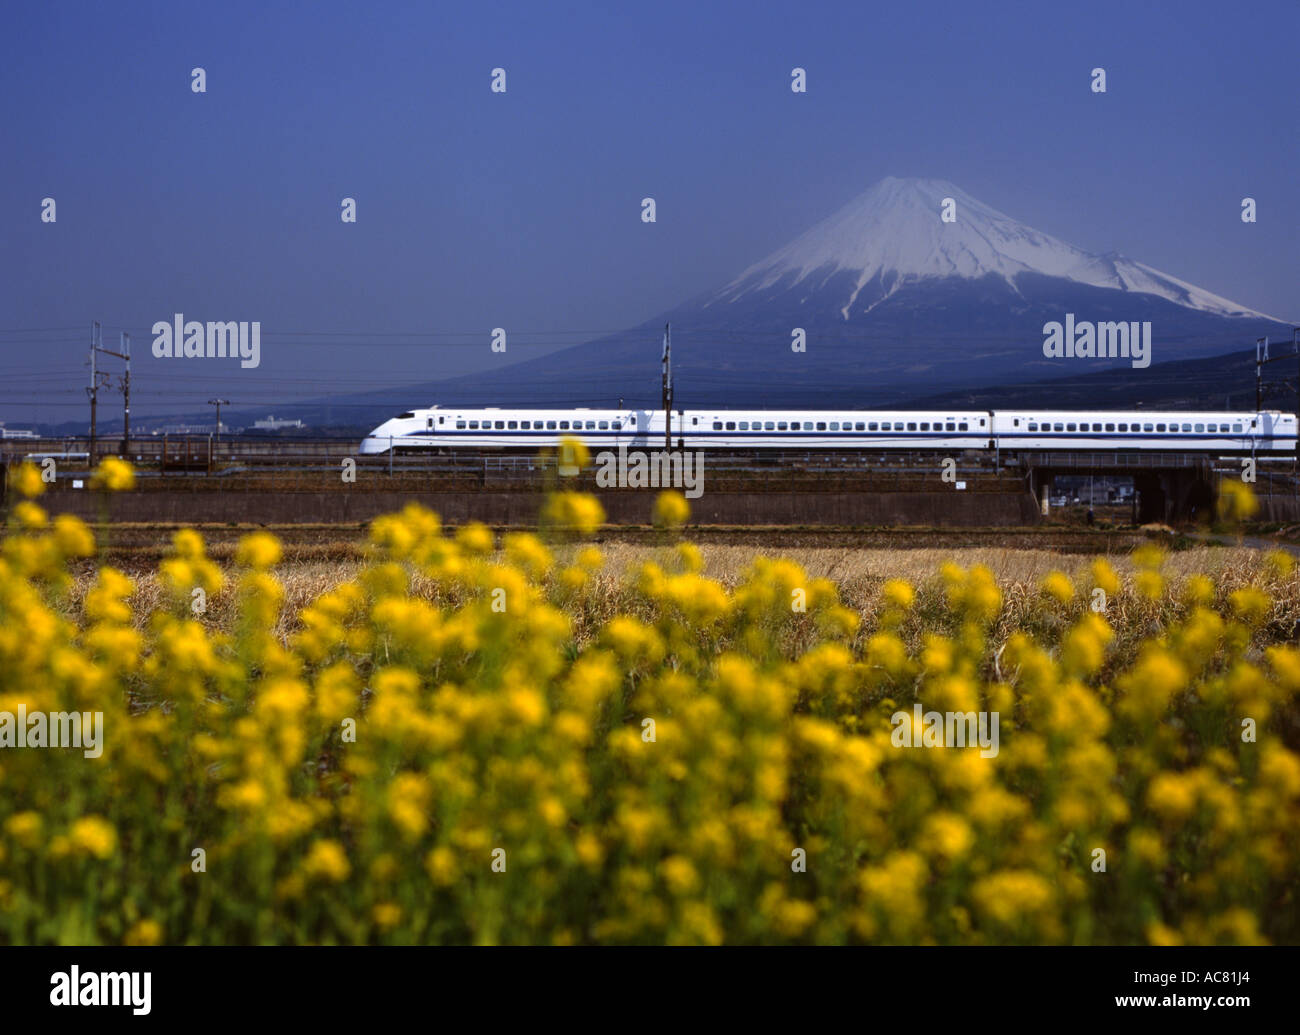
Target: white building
{"points": [[272, 424], [16, 432]]}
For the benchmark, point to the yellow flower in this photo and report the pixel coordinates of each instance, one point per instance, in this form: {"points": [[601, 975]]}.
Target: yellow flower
{"points": [[326, 861], [1281, 563], [573, 452], [93, 835], [114, 475], [25, 828], [73, 537], [475, 538], [386, 915], [260, 551], [29, 516], [898, 593], [1058, 586], [1104, 577], [144, 932], [25, 479], [1237, 501], [578, 511], [441, 866], [671, 510]]}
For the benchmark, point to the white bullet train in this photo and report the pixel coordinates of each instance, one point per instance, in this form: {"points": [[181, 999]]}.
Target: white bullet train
{"points": [[492, 428]]}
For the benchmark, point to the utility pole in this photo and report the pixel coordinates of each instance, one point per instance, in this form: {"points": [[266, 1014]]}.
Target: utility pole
{"points": [[218, 403], [1260, 360], [126, 388], [93, 390], [667, 386]]}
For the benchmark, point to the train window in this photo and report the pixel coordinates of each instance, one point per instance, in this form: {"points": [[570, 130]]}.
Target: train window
{"points": [[618, 425], [1187, 427], [604, 425], [1015, 423], [1110, 427], [1060, 427], [835, 425], [1236, 429], [950, 426], [717, 425], [513, 425], [1200, 427], [550, 425], [769, 425], [501, 424], [460, 425], [821, 425], [591, 425], [1033, 426], [925, 425], [847, 425], [782, 425], [1070, 427], [963, 426], [695, 422], [564, 425], [861, 426], [873, 426], [429, 423], [473, 425], [731, 425], [911, 425], [1160, 427], [406, 415], [1146, 427], [744, 425]]}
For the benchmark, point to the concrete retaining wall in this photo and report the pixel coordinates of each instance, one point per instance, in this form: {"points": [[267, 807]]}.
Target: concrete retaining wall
{"points": [[938, 509]]}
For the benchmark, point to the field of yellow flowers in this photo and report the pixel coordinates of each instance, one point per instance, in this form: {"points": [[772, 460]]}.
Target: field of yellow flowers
{"points": [[708, 765]]}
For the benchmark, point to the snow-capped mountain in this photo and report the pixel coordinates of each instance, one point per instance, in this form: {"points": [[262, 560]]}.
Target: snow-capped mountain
{"points": [[894, 232], [896, 304]]}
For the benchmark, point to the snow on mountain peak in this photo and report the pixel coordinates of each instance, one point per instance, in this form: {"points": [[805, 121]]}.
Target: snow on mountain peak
{"points": [[894, 228]]}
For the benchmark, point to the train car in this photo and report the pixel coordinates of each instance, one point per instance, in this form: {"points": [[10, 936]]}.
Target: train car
{"points": [[1217, 433], [945, 430], [494, 428]]}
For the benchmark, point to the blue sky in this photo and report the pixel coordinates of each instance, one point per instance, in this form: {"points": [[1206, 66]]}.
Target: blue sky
{"points": [[522, 210]]}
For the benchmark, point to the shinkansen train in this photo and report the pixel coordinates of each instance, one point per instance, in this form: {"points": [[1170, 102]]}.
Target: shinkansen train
{"points": [[1219, 433]]}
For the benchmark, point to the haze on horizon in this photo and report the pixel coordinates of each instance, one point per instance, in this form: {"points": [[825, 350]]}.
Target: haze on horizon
{"points": [[522, 210]]}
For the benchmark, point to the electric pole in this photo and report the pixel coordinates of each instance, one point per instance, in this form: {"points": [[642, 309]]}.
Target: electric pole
{"points": [[218, 403], [125, 354], [668, 386], [93, 390], [1260, 360]]}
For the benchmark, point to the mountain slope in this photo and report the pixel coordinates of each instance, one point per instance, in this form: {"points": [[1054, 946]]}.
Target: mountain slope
{"points": [[893, 235]]}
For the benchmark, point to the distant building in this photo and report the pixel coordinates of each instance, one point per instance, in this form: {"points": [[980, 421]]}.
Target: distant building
{"points": [[16, 432], [273, 424], [187, 429]]}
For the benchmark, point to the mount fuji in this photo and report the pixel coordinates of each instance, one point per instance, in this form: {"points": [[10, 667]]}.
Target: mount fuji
{"points": [[893, 237], [896, 304]]}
